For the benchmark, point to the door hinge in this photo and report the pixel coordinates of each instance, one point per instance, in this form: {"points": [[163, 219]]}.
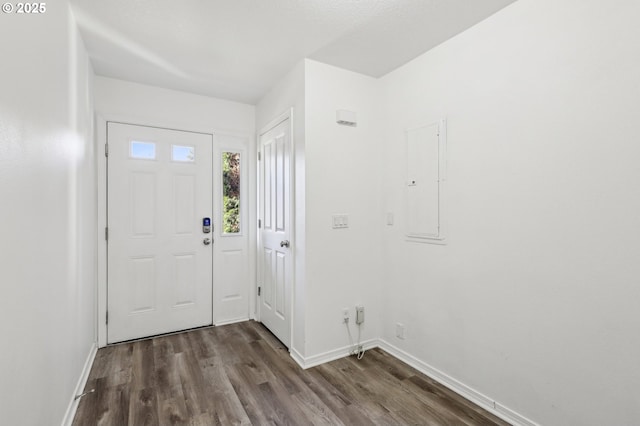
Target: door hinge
{"points": [[259, 223], [259, 156], [259, 290], [106, 149], [107, 319], [106, 234]]}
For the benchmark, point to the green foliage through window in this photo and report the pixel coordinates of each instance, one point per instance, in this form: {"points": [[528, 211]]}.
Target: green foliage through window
{"points": [[231, 192]]}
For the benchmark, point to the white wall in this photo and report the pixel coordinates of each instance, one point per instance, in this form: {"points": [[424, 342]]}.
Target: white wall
{"points": [[289, 93], [48, 215], [149, 104], [534, 301], [343, 266]]}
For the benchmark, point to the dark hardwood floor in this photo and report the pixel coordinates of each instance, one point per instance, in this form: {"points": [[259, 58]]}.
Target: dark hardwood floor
{"points": [[241, 374]]}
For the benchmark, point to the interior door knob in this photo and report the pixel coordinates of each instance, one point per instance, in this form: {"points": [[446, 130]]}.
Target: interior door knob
{"points": [[206, 241], [284, 243]]}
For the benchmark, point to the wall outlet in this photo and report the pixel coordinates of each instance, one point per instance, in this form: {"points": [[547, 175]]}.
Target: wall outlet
{"points": [[345, 315], [400, 331], [340, 221], [359, 314]]}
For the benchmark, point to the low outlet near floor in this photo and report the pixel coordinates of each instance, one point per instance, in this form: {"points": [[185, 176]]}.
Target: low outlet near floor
{"points": [[400, 331], [345, 315]]}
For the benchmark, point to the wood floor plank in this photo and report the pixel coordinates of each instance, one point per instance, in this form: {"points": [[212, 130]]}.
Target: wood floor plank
{"points": [[226, 403], [340, 375], [143, 407], [196, 399], [241, 374], [173, 411], [331, 396], [400, 400], [314, 409], [259, 413], [113, 408], [143, 375], [284, 407], [281, 367], [167, 378], [355, 415]]}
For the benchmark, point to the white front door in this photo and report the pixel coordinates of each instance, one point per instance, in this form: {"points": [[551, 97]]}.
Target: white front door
{"points": [[276, 272], [159, 267]]}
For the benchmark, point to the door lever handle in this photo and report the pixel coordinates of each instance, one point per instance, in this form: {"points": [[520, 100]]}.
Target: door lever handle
{"points": [[284, 243]]}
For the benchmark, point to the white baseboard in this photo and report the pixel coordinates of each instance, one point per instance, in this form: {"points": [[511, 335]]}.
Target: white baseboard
{"points": [[458, 387], [299, 359], [328, 356], [82, 382], [231, 321]]}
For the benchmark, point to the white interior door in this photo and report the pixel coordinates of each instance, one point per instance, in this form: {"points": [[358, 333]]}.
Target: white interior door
{"points": [[275, 238], [159, 267]]}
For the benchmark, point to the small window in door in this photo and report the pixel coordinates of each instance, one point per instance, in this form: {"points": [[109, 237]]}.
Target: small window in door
{"points": [[142, 150], [183, 154], [231, 193]]}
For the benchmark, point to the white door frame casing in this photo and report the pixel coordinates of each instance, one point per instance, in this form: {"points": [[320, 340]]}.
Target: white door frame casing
{"points": [[288, 114], [101, 179]]}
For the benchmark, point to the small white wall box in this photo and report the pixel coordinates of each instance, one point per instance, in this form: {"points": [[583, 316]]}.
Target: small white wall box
{"points": [[359, 314], [346, 118]]}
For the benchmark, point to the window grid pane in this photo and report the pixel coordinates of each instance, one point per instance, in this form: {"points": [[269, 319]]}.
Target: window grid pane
{"points": [[183, 154], [143, 150]]}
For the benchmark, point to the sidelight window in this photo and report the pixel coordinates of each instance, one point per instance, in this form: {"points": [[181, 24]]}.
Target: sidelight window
{"points": [[231, 193]]}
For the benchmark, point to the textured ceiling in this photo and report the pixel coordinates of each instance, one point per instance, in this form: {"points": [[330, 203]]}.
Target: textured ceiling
{"points": [[238, 49]]}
